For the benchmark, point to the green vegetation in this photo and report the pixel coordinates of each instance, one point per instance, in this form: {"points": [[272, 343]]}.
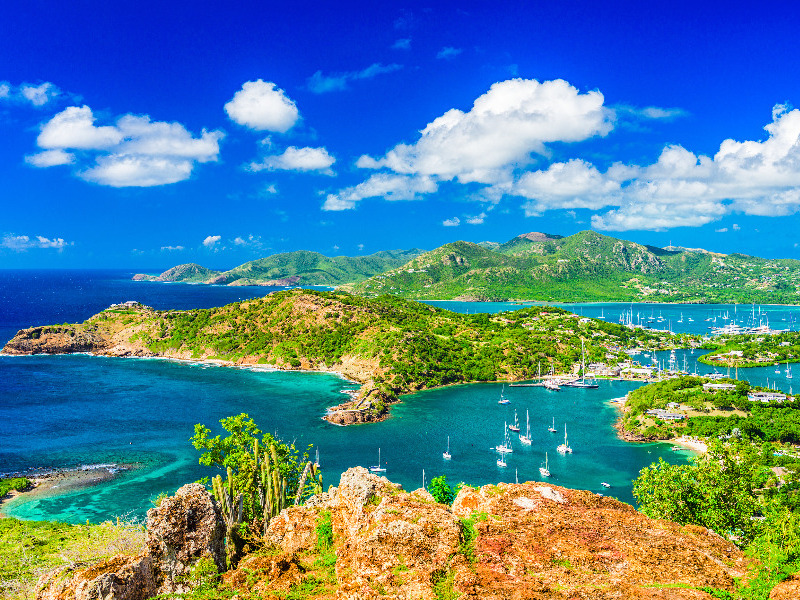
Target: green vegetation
{"points": [[586, 267], [19, 484], [734, 490], [753, 350], [187, 273], [441, 490], [299, 268], [710, 414], [264, 476], [717, 491], [406, 346], [29, 549]]}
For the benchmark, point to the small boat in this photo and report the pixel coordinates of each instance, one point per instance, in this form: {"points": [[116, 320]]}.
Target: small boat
{"points": [[604, 484], [551, 384], [526, 439], [564, 448], [446, 454], [501, 462], [515, 426], [503, 399], [544, 470], [582, 383], [505, 447], [552, 428], [378, 468]]}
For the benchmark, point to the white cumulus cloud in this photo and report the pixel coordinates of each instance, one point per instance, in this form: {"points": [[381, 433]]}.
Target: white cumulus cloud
{"points": [[684, 189], [381, 185], [574, 184], [36, 95], [454, 222], [211, 241], [134, 152], [172, 248], [50, 158], [262, 106], [297, 159], [514, 119], [39, 95], [21, 243], [477, 219]]}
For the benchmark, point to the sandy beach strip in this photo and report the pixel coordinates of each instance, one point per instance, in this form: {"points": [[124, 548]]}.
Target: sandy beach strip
{"points": [[691, 443]]}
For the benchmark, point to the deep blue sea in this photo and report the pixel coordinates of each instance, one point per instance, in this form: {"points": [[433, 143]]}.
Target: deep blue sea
{"points": [[69, 411]]}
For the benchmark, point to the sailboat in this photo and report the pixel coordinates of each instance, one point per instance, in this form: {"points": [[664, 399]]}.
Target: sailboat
{"points": [[316, 460], [378, 468], [551, 384], [564, 448], [788, 370], [552, 428], [446, 454], [582, 383], [501, 462], [515, 426], [503, 399], [505, 447], [526, 439], [544, 470]]}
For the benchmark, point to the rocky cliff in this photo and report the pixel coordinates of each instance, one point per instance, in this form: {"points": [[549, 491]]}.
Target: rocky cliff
{"points": [[530, 540]]}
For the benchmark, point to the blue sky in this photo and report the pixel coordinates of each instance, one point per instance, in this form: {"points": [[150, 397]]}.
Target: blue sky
{"points": [[151, 134]]}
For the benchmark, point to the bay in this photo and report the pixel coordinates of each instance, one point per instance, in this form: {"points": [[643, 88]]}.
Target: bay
{"points": [[68, 411]]}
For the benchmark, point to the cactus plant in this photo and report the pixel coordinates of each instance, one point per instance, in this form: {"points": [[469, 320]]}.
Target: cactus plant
{"points": [[231, 507]]}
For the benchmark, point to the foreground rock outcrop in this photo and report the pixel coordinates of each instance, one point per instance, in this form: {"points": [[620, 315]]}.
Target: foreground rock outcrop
{"points": [[530, 540], [182, 530], [509, 541]]}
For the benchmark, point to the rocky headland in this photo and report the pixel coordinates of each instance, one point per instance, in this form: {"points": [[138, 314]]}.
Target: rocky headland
{"points": [[529, 540]]}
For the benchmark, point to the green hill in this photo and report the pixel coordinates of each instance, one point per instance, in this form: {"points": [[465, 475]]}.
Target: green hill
{"points": [[291, 268], [188, 273], [390, 345], [587, 266]]}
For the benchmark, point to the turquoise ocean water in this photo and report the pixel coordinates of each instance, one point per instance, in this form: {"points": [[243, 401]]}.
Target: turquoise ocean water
{"points": [[72, 411]]}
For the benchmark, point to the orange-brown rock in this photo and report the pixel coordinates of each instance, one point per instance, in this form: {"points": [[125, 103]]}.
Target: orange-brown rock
{"points": [[54, 339], [181, 530], [787, 590], [265, 574], [121, 578], [536, 540]]}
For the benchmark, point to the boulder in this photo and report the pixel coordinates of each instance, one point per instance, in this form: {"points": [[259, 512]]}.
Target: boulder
{"points": [[181, 530], [119, 578]]}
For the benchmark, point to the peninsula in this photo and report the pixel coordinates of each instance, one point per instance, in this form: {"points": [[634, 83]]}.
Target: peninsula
{"points": [[388, 345]]}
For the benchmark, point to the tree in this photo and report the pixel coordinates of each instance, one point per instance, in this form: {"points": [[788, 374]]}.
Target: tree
{"points": [[441, 490], [716, 491], [263, 476]]}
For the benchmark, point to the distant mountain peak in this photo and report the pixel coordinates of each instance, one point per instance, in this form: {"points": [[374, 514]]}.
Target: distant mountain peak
{"points": [[536, 236]]}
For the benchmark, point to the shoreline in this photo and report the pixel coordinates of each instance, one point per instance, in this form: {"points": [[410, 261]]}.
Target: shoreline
{"points": [[690, 443], [58, 481]]}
